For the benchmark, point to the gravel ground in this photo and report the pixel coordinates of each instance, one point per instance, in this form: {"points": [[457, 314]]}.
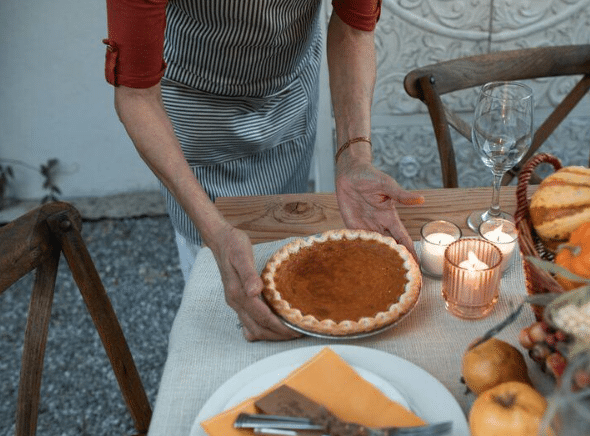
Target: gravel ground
{"points": [[138, 264]]}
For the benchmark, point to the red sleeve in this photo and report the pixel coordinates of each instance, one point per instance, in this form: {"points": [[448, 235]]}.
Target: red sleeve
{"points": [[360, 14], [135, 44]]}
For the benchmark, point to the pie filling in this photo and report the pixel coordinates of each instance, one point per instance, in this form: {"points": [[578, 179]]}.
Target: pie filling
{"points": [[342, 282], [338, 279]]}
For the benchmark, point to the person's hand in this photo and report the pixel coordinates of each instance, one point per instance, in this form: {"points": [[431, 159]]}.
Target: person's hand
{"points": [[367, 199], [243, 286]]}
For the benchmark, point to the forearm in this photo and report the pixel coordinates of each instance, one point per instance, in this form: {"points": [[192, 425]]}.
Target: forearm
{"points": [[352, 68], [142, 113]]}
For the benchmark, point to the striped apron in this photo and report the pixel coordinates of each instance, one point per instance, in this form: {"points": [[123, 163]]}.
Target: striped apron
{"points": [[241, 90]]}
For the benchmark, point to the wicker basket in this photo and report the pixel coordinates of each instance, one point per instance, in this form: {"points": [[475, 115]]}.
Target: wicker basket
{"points": [[538, 281]]}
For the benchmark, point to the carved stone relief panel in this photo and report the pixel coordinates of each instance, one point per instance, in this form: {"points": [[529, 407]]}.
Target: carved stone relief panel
{"points": [[546, 21], [414, 33], [409, 153]]}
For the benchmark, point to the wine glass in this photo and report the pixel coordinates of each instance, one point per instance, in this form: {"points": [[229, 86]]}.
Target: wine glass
{"points": [[501, 134]]}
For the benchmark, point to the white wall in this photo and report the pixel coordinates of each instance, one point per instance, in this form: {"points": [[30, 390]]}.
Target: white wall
{"points": [[55, 103]]}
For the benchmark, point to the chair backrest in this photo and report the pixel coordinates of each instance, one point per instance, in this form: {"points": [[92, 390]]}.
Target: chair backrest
{"points": [[430, 82], [36, 241]]}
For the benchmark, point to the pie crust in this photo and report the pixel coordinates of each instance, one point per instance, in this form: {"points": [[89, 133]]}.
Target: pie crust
{"points": [[342, 282]]}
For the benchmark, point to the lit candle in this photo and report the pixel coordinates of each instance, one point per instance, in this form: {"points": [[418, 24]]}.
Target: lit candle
{"points": [[436, 237], [470, 284], [472, 263], [434, 252], [502, 233], [440, 238]]}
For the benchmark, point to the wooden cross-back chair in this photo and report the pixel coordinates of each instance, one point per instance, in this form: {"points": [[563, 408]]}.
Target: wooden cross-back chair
{"points": [[36, 241], [429, 83]]}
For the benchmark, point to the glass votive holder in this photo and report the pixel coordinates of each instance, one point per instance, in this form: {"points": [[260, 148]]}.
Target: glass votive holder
{"points": [[435, 237], [471, 277], [502, 233]]}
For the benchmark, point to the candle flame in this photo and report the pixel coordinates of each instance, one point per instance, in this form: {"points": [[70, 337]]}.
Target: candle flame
{"points": [[473, 263], [495, 235]]}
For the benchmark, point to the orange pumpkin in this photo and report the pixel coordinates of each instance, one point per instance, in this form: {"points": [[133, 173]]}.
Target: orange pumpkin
{"points": [[561, 204], [575, 257], [509, 409]]}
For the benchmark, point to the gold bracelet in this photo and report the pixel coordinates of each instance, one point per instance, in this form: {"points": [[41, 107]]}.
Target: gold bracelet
{"points": [[348, 144]]}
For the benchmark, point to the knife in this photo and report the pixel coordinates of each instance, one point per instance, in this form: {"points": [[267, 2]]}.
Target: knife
{"points": [[247, 420], [285, 401]]}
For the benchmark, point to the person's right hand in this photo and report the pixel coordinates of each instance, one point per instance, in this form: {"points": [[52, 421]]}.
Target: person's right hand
{"points": [[367, 199], [242, 285]]}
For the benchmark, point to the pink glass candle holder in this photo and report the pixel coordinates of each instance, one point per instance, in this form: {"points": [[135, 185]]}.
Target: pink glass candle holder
{"points": [[471, 277]]}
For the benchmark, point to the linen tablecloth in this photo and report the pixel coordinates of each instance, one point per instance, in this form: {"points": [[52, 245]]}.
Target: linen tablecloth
{"points": [[206, 346]]}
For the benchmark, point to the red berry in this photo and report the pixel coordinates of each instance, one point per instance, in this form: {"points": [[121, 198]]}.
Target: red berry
{"points": [[539, 352], [537, 332], [556, 363], [582, 379], [561, 336], [525, 339], [551, 340]]}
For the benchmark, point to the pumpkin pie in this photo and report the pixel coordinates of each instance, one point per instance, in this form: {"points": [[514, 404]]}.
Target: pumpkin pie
{"points": [[342, 282]]}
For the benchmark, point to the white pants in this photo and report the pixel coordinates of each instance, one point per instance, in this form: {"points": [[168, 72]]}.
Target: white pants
{"points": [[187, 253]]}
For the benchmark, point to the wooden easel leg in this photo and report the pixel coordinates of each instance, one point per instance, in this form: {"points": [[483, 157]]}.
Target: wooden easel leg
{"points": [[34, 346], [104, 317]]}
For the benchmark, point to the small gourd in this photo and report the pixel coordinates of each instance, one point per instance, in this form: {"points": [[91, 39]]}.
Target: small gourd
{"points": [[560, 204], [575, 256]]}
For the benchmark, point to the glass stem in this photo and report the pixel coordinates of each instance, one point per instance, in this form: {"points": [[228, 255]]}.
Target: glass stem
{"points": [[495, 206]]}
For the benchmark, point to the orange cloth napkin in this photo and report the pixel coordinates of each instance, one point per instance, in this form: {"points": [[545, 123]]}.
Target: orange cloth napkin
{"points": [[329, 380]]}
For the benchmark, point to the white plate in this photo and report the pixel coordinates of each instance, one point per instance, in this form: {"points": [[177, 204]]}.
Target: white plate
{"points": [[423, 394]]}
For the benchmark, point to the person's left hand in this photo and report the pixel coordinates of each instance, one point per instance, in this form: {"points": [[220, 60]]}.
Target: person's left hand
{"points": [[367, 199]]}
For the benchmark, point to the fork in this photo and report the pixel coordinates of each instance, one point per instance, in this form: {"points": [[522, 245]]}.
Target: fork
{"points": [[286, 425]]}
